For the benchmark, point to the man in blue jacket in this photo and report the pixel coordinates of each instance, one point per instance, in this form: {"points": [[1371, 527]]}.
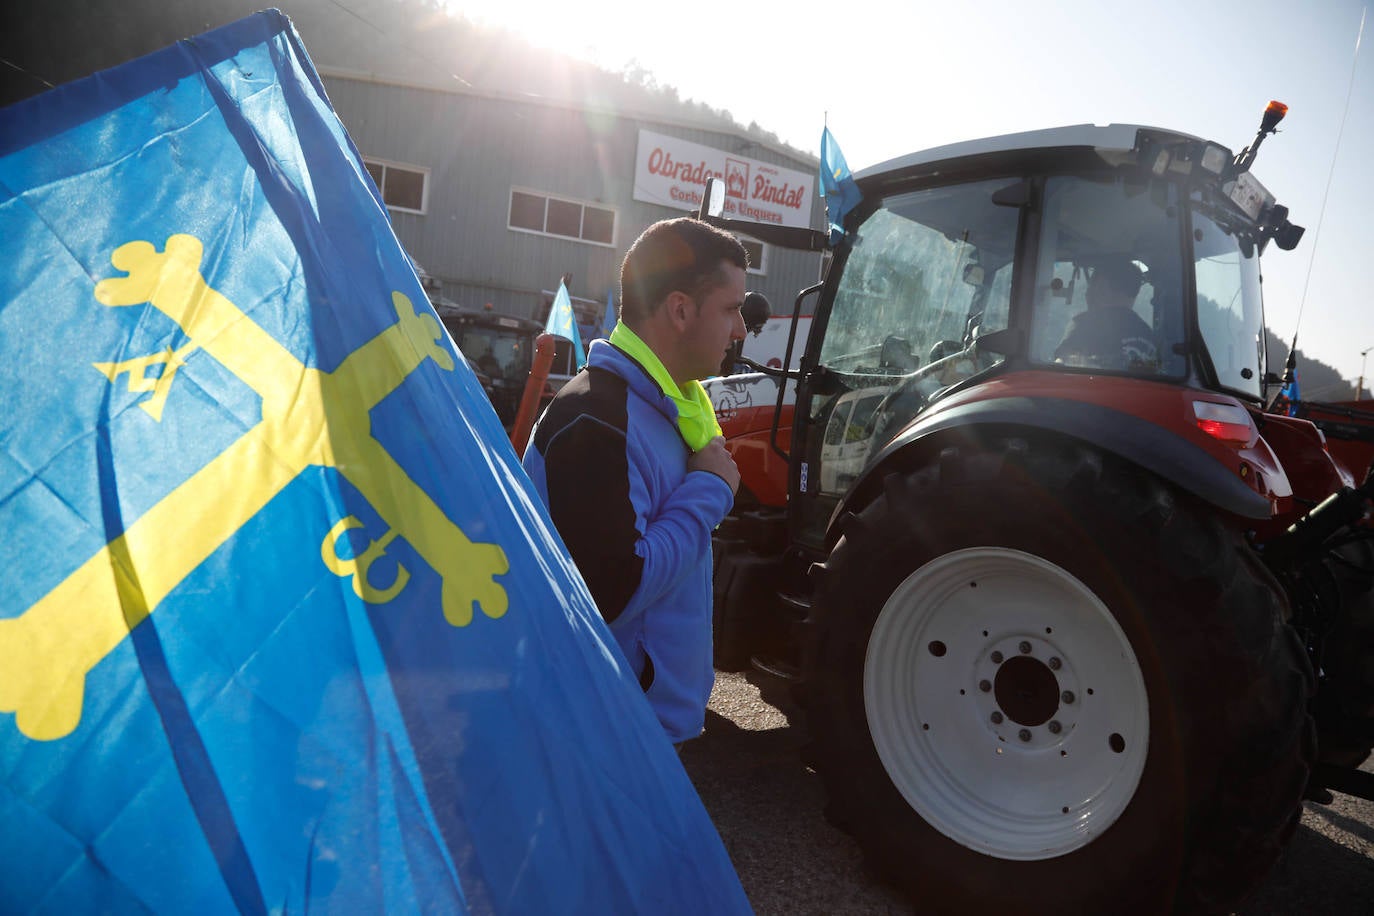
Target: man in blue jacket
{"points": [[629, 459]]}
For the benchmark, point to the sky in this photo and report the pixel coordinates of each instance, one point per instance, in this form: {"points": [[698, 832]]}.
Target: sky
{"points": [[893, 78]]}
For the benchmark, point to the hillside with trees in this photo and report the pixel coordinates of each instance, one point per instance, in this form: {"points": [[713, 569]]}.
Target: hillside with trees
{"points": [[1316, 380]]}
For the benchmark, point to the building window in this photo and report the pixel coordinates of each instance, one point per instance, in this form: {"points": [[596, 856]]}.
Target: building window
{"points": [[526, 212], [564, 219], [403, 187], [758, 254], [598, 225], [531, 211]]}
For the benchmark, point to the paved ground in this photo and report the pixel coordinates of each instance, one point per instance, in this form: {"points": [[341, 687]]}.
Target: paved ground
{"points": [[767, 807]]}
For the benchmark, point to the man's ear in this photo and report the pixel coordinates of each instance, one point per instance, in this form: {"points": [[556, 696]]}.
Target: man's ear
{"points": [[678, 309]]}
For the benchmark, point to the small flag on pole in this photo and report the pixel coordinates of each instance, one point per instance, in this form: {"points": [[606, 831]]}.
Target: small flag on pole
{"points": [[1291, 395], [608, 321], [562, 322], [837, 185]]}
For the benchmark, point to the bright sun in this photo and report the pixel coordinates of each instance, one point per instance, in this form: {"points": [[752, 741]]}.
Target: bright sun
{"points": [[602, 32]]}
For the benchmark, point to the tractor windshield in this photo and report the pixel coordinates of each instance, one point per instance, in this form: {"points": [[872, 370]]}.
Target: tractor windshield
{"points": [[1109, 279], [500, 353], [928, 274]]}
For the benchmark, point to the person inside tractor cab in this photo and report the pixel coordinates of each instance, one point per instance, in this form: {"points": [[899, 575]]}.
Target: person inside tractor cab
{"points": [[1109, 334], [489, 364]]}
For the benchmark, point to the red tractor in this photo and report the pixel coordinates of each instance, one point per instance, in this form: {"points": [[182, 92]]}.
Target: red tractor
{"points": [[1075, 621]]}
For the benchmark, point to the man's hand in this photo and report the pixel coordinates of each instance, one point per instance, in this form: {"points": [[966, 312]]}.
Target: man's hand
{"points": [[713, 457]]}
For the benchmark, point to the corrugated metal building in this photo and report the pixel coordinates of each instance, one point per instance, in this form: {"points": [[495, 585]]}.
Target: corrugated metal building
{"points": [[504, 168], [473, 165]]}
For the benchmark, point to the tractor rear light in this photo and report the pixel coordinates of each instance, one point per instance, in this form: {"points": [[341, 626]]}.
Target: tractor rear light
{"points": [[1227, 423]]}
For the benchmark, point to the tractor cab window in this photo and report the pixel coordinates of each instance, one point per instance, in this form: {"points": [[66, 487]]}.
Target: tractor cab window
{"points": [[929, 273], [1109, 284], [1229, 313], [501, 354]]}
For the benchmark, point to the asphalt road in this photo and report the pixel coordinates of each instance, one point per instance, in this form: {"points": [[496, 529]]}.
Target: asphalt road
{"points": [[768, 810]]}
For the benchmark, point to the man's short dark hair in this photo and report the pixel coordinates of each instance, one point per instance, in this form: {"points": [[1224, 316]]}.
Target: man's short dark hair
{"points": [[682, 255], [1122, 274]]}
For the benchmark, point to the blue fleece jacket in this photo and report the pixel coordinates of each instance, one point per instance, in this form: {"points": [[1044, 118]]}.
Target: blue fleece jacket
{"points": [[609, 462]]}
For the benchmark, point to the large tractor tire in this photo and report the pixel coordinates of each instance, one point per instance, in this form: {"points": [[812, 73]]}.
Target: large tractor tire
{"points": [[1044, 682], [1346, 702]]}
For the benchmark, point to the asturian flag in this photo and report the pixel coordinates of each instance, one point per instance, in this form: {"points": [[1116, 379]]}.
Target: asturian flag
{"points": [[838, 187], [283, 625], [563, 323], [609, 319]]}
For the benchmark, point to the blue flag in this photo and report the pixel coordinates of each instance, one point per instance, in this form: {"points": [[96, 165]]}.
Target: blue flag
{"points": [[284, 625], [1290, 396], [608, 320], [837, 185], [563, 323]]}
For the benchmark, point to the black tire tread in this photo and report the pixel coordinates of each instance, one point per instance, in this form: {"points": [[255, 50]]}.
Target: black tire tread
{"points": [[1348, 659], [1239, 680]]}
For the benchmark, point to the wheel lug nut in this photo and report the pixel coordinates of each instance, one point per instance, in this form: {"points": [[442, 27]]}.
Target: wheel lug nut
{"points": [[996, 718], [1025, 647], [1024, 734], [996, 658], [1067, 696], [1054, 727], [1055, 663], [985, 685]]}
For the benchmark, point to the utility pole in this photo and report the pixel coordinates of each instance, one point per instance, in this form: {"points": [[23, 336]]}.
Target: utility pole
{"points": [[1359, 386]]}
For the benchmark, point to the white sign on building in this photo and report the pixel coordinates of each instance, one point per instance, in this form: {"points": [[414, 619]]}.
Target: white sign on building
{"points": [[672, 172]]}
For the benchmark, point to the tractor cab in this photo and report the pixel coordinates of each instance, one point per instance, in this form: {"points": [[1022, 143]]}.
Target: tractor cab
{"points": [[499, 348], [1093, 253]]}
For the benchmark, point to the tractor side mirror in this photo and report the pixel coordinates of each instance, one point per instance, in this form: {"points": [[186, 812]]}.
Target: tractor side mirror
{"points": [[1287, 236], [756, 311], [712, 199]]}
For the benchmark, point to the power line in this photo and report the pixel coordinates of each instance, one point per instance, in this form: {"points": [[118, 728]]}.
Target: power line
{"points": [[1345, 113]]}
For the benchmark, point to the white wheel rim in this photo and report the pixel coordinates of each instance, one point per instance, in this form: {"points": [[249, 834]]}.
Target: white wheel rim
{"points": [[1014, 788]]}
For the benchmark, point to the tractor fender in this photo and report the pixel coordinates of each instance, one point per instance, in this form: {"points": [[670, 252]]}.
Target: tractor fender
{"points": [[1146, 444]]}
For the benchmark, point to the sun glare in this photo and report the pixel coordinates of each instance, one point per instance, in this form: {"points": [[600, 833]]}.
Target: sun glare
{"points": [[703, 59], [603, 33]]}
